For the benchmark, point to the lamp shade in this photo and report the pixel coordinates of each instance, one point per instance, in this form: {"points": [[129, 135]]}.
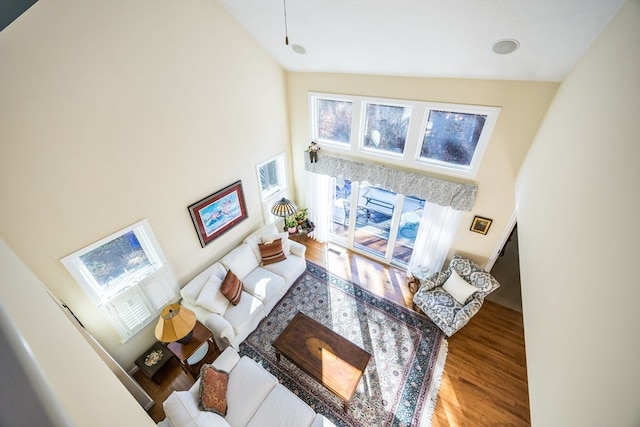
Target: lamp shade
{"points": [[284, 208], [175, 323]]}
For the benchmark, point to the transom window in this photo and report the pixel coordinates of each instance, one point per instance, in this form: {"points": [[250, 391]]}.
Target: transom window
{"points": [[386, 127], [445, 138], [332, 121]]}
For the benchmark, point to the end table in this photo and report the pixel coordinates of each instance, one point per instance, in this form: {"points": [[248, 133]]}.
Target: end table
{"points": [[199, 350], [153, 359]]}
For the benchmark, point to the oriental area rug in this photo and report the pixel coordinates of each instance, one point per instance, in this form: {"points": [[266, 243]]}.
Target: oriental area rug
{"points": [[400, 384]]}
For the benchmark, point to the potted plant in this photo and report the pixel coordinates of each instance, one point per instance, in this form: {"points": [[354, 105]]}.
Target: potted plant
{"points": [[300, 216], [291, 223]]}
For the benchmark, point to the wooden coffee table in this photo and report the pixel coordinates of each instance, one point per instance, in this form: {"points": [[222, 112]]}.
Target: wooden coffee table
{"points": [[332, 360]]}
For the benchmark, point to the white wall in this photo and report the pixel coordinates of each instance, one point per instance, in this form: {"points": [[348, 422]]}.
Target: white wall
{"points": [[114, 111], [83, 391], [579, 231]]}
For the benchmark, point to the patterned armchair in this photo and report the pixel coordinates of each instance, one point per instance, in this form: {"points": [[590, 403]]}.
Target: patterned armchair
{"points": [[452, 297]]}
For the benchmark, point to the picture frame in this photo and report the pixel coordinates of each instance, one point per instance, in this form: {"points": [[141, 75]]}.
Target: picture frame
{"points": [[218, 213], [480, 225]]}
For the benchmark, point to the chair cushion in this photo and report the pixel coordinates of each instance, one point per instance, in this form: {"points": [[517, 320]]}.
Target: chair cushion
{"points": [[240, 260], [249, 385], [458, 288], [213, 390], [282, 408], [291, 268], [267, 286], [440, 307], [231, 288], [181, 408], [242, 315], [211, 296]]}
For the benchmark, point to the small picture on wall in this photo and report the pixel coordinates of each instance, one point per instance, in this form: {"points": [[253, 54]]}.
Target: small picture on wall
{"points": [[218, 213], [481, 225]]}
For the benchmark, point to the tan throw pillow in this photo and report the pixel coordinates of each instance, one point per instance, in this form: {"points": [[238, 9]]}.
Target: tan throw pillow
{"points": [[271, 252], [231, 288], [213, 390]]}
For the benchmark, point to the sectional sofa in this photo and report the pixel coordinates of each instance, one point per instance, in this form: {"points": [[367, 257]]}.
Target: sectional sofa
{"points": [[263, 285], [254, 398]]}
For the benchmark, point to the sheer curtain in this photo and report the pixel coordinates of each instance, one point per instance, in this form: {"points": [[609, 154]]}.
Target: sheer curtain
{"points": [[435, 235], [318, 189]]}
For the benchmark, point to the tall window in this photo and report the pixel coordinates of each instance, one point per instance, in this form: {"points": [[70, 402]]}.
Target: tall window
{"points": [[127, 276], [452, 139], [272, 179]]}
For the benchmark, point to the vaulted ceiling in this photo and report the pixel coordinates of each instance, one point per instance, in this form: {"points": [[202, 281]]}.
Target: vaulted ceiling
{"points": [[427, 38]]}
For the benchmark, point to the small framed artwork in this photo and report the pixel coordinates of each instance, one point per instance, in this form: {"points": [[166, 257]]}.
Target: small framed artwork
{"points": [[481, 225], [218, 213]]}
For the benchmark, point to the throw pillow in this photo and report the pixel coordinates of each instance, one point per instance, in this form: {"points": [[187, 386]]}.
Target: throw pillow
{"points": [[458, 288], [213, 390], [271, 252], [286, 243], [211, 296], [231, 288]]}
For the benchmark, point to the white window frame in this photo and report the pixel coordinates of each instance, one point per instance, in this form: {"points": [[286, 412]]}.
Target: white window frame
{"points": [[471, 170], [269, 197], [363, 130], [415, 134], [313, 108], [137, 299]]}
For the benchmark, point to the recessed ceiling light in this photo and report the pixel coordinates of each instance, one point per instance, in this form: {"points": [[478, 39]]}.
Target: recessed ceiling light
{"points": [[298, 49], [502, 47]]}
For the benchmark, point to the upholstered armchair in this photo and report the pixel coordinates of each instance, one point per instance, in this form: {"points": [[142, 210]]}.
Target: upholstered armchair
{"points": [[452, 297]]}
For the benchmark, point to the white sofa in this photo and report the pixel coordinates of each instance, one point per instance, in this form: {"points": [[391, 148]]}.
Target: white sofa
{"points": [[263, 287], [255, 398]]}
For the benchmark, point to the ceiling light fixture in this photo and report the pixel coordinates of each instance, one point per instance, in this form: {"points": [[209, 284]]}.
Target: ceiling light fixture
{"points": [[502, 47], [286, 31], [298, 49]]}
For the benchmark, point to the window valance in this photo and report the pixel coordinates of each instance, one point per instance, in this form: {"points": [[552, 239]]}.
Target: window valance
{"points": [[435, 190]]}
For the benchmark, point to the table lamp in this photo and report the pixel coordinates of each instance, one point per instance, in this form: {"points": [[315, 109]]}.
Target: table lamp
{"points": [[176, 323], [284, 208]]}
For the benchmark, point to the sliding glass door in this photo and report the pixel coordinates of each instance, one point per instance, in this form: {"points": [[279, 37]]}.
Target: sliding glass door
{"points": [[375, 221]]}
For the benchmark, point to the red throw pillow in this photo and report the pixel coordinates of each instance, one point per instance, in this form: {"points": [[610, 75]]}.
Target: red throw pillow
{"points": [[231, 288], [213, 390], [271, 251]]}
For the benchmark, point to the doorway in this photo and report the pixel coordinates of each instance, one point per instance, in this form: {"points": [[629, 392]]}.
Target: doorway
{"points": [[506, 270], [375, 221]]}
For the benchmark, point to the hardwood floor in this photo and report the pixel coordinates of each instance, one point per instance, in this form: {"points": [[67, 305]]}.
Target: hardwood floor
{"points": [[484, 381]]}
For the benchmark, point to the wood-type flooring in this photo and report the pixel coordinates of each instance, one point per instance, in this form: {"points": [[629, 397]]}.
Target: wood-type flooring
{"points": [[485, 378]]}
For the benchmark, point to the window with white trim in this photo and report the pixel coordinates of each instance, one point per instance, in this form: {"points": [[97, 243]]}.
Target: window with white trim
{"points": [[443, 138], [127, 276], [332, 118], [272, 180], [385, 128]]}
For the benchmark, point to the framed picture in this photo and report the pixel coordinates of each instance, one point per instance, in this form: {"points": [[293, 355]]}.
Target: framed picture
{"points": [[481, 225], [218, 213]]}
